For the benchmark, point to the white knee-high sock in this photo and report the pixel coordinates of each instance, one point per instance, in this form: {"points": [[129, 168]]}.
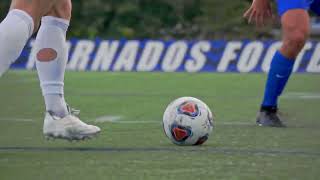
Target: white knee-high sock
{"points": [[15, 31], [52, 37]]}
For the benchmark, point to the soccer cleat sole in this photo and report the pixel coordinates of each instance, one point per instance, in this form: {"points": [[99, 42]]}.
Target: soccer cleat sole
{"points": [[81, 137]]}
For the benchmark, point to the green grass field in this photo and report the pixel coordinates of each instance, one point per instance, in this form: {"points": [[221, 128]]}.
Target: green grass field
{"points": [[129, 106]]}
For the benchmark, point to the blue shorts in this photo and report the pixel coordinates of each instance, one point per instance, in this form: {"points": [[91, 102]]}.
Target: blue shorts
{"points": [[285, 5]]}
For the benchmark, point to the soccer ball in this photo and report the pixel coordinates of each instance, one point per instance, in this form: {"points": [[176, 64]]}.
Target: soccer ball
{"points": [[187, 121]]}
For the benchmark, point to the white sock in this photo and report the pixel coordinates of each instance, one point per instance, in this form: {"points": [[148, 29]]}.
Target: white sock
{"points": [[15, 31], [52, 35], [56, 104]]}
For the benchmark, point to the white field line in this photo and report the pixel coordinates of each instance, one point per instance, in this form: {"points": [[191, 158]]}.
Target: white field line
{"points": [[136, 122], [108, 118], [160, 122], [302, 95], [117, 119], [16, 119]]}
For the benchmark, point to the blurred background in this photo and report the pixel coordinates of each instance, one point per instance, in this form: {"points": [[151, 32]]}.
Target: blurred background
{"points": [[164, 19], [148, 53], [171, 36]]}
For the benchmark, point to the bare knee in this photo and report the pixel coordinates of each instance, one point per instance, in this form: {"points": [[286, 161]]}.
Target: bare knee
{"points": [[293, 42], [295, 26], [35, 8], [61, 9]]}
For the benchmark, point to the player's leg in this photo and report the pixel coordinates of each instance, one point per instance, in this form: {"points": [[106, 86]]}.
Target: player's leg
{"points": [[295, 29], [15, 30], [51, 59], [51, 56]]}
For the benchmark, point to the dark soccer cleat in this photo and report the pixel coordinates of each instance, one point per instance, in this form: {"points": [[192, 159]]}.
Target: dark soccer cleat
{"points": [[269, 117]]}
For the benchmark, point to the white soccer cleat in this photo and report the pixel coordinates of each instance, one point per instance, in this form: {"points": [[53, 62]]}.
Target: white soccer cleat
{"points": [[69, 128]]}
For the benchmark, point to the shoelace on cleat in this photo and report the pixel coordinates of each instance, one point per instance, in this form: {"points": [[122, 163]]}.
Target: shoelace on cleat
{"points": [[73, 111]]}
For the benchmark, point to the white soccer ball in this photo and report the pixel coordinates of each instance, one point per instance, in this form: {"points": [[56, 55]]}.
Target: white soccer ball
{"points": [[188, 121]]}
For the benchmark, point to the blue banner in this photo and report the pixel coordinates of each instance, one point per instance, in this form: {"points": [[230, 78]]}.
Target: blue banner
{"points": [[175, 56]]}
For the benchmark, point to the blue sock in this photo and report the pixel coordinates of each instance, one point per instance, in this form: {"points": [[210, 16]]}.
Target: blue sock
{"points": [[280, 71]]}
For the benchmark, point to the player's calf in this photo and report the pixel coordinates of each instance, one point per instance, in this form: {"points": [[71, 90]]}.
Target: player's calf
{"points": [[52, 55], [51, 59]]}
